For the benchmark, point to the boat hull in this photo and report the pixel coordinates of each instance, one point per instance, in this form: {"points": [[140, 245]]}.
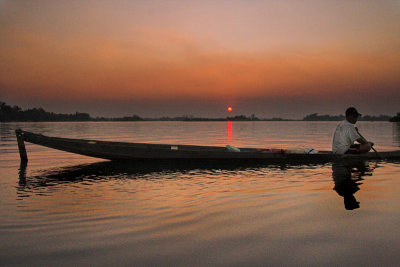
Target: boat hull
{"points": [[144, 151]]}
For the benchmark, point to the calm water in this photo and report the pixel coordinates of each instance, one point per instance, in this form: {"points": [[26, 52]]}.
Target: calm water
{"points": [[70, 210]]}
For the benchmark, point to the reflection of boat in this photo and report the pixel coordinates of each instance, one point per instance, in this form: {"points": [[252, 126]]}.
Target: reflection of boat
{"points": [[114, 170], [144, 151]]}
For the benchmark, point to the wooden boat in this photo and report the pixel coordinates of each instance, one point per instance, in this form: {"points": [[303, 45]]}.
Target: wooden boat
{"points": [[144, 151]]}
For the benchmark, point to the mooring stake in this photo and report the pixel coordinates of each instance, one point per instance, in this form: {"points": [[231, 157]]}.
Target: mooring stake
{"points": [[21, 146], [22, 173]]}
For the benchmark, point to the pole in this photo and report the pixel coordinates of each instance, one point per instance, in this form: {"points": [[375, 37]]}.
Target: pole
{"points": [[21, 146], [371, 146]]}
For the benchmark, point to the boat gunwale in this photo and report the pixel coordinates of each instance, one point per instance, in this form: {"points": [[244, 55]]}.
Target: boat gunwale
{"points": [[110, 150]]}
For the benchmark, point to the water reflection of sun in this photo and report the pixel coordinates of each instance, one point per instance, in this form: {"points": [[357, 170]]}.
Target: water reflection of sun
{"points": [[229, 132]]}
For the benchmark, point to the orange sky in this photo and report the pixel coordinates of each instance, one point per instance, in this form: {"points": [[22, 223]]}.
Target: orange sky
{"points": [[168, 58]]}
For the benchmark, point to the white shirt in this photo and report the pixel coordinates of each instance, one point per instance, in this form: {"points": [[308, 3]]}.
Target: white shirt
{"points": [[344, 137]]}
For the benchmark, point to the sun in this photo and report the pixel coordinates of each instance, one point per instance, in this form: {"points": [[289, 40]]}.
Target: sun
{"points": [[229, 109]]}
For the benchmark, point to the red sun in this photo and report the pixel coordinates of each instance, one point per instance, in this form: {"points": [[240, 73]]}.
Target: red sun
{"points": [[229, 109]]}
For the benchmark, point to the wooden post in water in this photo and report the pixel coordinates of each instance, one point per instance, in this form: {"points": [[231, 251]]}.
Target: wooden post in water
{"points": [[22, 173], [21, 146]]}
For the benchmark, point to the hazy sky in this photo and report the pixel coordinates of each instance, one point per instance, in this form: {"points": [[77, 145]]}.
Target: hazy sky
{"points": [[168, 58]]}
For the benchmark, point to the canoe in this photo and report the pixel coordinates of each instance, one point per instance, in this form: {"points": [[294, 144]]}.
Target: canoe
{"points": [[145, 151]]}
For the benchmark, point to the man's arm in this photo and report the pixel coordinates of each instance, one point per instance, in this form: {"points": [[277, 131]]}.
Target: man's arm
{"points": [[362, 140]]}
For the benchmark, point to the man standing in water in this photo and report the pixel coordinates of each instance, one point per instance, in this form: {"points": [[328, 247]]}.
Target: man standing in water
{"points": [[346, 134]]}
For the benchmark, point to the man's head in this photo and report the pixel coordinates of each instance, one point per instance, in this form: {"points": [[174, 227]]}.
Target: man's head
{"points": [[352, 115]]}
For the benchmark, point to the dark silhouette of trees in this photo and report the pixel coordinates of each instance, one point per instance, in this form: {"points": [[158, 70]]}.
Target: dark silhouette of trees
{"points": [[395, 118], [316, 117], [15, 113]]}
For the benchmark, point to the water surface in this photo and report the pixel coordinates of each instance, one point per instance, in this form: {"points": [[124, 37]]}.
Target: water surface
{"points": [[70, 210]]}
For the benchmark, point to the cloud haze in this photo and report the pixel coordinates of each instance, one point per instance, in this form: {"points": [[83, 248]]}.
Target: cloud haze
{"points": [[157, 58]]}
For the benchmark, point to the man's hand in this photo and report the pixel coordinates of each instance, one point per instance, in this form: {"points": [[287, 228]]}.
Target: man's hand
{"points": [[371, 143]]}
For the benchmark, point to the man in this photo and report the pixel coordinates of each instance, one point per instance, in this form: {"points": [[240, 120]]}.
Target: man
{"points": [[346, 134]]}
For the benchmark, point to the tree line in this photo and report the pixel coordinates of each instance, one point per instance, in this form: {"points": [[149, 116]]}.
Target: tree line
{"points": [[396, 118], [15, 113], [316, 117]]}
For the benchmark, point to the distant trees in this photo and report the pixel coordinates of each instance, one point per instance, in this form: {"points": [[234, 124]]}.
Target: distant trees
{"points": [[316, 117], [375, 118], [243, 118], [395, 118], [15, 113], [127, 118], [8, 113]]}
